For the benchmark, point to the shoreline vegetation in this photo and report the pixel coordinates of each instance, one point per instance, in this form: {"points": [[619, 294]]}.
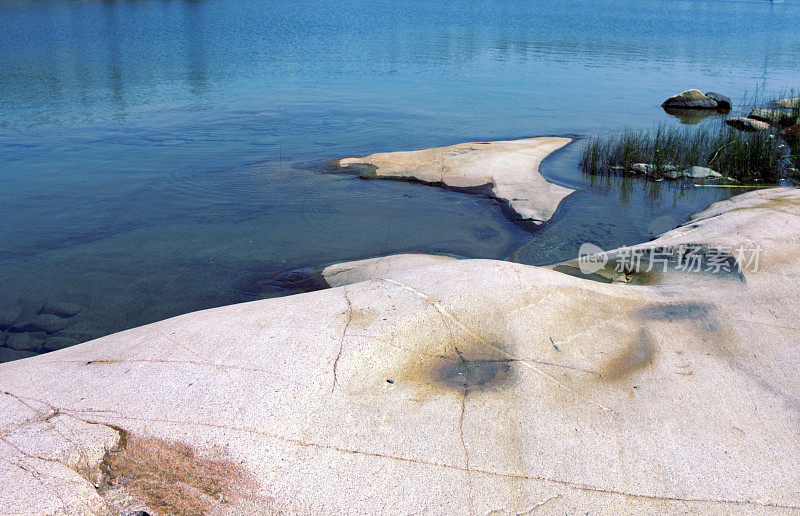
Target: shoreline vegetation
{"points": [[764, 146]]}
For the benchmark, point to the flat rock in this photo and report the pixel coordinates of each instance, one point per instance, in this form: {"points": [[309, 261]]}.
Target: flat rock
{"points": [[693, 99], [509, 168], [456, 386], [26, 341], [722, 101], [61, 309], [747, 124], [42, 322], [792, 102]]}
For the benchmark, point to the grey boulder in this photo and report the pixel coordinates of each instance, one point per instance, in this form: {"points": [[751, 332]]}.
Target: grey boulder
{"points": [[690, 99], [722, 101], [747, 124]]}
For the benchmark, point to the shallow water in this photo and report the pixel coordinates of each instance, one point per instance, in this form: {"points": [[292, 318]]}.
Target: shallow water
{"points": [[158, 157]]}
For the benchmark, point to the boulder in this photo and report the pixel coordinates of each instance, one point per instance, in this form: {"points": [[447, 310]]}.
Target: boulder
{"points": [[747, 124], [60, 309], [56, 343], [722, 101], [9, 313], [700, 173], [42, 322], [31, 341], [789, 103], [776, 117], [690, 99]]}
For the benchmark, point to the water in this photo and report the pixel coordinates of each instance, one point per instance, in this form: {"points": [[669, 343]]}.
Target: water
{"points": [[159, 157]]}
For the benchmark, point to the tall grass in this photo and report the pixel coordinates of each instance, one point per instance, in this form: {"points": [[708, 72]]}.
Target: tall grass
{"points": [[739, 155]]}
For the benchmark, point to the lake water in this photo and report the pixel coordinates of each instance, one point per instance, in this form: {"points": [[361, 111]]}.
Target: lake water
{"points": [[159, 157]]}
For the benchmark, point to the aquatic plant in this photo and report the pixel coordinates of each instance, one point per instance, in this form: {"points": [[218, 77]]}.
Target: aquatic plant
{"points": [[764, 155]]}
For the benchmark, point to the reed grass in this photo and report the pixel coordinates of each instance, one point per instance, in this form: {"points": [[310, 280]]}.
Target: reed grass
{"points": [[766, 156]]}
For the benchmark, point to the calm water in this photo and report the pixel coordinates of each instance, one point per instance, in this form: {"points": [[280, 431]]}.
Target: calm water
{"points": [[158, 157]]}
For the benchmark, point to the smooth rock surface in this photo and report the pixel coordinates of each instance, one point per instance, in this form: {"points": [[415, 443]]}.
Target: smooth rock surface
{"points": [[693, 99], [700, 172], [747, 124], [456, 386], [511, 168], [347, 273]]}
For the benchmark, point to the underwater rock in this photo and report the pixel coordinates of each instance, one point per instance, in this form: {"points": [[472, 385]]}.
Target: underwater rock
{"points": [[9, 313], [31, 341], [42, 322], [60, 309]]}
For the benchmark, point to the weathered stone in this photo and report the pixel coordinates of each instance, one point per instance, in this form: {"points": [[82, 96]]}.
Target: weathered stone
{"points": [[775, 117], [693, 99], [722, 101], [643, 168], [61, 309], [509, 168], [42, 322], [789, 103], [26, 341], [9, 313], [470, 386], [747, 124], [56, 343], [700, 172]]}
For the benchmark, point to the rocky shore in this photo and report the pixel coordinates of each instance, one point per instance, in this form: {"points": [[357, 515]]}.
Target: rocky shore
{"points": [[432, 384], [508, 170]]}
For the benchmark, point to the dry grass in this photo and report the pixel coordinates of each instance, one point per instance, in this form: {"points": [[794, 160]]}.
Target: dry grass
{"points": [[168, 477]]}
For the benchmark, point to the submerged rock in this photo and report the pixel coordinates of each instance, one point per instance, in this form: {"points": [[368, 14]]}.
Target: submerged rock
{"points": [[56, 343], [747, 124], [509, 169], [31, 341], [722, 101], [690, 99], [42, 322], [9, 313], [776, 117], [8, 354], [60, 309]]}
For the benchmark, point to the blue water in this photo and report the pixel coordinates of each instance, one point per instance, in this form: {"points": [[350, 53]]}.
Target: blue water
{"points": [[163, 156]]}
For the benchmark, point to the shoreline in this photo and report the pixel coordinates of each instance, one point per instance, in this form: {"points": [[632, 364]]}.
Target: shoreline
{"points": [[408, 363]]}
